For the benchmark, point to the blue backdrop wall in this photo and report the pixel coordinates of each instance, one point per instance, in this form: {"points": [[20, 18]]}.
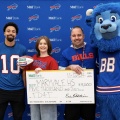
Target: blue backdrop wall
{"points": [[53, 18]]}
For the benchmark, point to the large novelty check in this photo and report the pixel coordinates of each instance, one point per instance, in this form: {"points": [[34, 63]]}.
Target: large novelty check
{"points": [[60, 87]]}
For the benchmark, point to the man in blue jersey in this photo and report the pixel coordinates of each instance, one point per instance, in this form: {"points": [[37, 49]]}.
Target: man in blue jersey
{"points": [[11, 82], [78, 56]]}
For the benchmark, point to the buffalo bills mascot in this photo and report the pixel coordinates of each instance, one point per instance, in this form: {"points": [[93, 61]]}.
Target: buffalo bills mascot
{"points": [[104, 21]]}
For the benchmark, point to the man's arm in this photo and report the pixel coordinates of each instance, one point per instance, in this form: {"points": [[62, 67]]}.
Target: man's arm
{"points": [[75, 68], [78, 69]]}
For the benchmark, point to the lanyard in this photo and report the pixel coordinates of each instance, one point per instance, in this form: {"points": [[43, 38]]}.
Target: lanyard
{"points": [[82, 59]]}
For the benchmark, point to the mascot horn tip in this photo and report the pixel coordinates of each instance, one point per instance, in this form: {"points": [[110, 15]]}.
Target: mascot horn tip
{"points": [[89, 12]]}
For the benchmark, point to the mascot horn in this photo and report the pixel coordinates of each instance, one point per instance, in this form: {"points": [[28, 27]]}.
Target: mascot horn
{"points": [[104, 21]]}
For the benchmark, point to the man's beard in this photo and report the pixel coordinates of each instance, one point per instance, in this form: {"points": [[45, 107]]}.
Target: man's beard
{"points": [[10, 39]]}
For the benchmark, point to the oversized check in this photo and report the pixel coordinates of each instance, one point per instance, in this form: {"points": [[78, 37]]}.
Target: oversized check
{"points": [[60, 87]]}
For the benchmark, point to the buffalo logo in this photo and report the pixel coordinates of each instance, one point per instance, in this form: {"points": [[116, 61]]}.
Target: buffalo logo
{"points": [[33, 39], [76, 17], [55, 28], [10, 115], [33, 17], [55, 7], [97, 115], [13, 6], [56, 50]]}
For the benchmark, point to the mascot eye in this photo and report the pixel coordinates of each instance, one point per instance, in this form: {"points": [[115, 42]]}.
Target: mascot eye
{"points": [[100, 20], [113, 18]]}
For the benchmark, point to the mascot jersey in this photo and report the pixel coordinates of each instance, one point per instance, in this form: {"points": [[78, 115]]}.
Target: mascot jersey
{"points": [[10, 77], [109, 73]]}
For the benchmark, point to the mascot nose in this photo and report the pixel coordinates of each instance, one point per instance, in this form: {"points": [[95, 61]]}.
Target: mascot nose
{"points": [[106, 26]]}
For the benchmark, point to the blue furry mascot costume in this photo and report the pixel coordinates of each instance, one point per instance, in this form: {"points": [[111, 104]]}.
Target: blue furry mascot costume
{"points": [[104, 21]]}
